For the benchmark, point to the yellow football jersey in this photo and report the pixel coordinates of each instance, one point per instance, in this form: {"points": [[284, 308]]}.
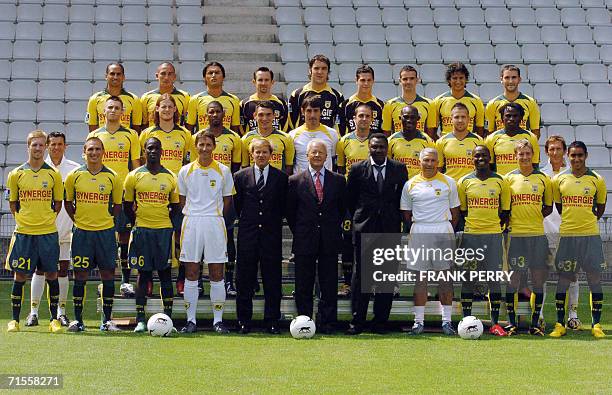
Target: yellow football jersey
{"points": [[132, 109], [283, 149], [196, 112], [347, 113], [247, 113], [408, 152], [120, 149], [501, 146], [228, 148], [530, 121], [578, 197], [149, 99], [483, 200], [152, 194], [35, 192], [351, 150], [528, 195], [456, 155], [444, 103], [93, 196], [176, 144], [392, 114]]}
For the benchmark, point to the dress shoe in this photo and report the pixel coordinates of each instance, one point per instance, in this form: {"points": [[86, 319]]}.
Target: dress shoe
{"points": [[379, 329], [273, 329], [244, 328], [354, 330]]}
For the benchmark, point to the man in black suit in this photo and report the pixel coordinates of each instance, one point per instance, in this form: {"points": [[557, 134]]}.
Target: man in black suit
{"points": [[260, 204], [315, 209], [374, 188]]}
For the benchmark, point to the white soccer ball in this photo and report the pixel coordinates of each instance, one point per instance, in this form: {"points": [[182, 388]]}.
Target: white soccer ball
{"points": [[160, 325], [470, 328], [302, 327]]}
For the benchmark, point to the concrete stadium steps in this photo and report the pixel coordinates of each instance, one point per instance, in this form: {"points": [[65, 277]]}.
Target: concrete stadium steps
{"points": [[227, 32], [238, 15]]}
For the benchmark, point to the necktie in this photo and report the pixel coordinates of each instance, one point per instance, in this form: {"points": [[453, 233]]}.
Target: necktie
{"points": [[260, 182], [319, 186], [379, 177]]}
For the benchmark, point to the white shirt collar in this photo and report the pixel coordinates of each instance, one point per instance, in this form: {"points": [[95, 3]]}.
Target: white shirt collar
{"points": [[374, 163]]}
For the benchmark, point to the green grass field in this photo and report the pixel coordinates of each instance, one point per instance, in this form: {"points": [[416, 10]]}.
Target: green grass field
{"points": [[259, 363]]}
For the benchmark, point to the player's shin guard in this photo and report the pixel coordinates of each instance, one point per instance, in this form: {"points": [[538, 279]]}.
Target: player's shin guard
{"points": [[510, 306], [108, 292], [495, 302], [538, 296], [596, 304], [37, 287], [17, 298], [141, 294], [125, 268], [167, 291], [560, 306], [78, 299], [217, 299], [53, 298], [572, 299], [63, 295], [191, 299]]}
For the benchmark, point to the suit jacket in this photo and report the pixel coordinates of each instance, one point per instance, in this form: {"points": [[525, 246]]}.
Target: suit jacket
{"points": [[375, 212], [316, 226], [260, 213]]}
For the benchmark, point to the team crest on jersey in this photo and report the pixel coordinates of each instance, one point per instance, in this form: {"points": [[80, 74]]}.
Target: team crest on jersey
{"points": [[587, 191], [177, 145], [415, 154], [491, 192], [276, 114], [45, 184], [121, 146], [86, 117], [438, 191], [468, 152], [374, 114], [534, 188], [133, 260], [327, 103], [102, 188], [15, 263], [162, 187], [213, 183], [225, 148]]}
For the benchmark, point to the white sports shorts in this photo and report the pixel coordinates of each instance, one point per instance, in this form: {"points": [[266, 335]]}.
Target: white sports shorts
{"points": [[433, 241], [203, 237], [64, 254]]}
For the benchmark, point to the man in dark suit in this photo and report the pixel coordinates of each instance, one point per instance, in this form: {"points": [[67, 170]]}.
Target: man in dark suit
{"points": [[315, 209], [374, 188], [260, 204]]}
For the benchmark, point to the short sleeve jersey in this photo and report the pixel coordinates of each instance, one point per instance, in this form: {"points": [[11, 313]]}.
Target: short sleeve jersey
{"points": [[578, 197], [530, 121], [149, 99], [176, 144], [408, 151], [501, 146], [283, 151], [204, 188], [93, 196], [247, 113], [331, 104], [347, 114], [350, 150], [196, 113], [430, 199], [392, 114], [35, 191], [120, 148], [528, 194], [444, 103], [152, 194], [302, 136], [483, 200], [228, 148], [456, 155], [132, 109]]}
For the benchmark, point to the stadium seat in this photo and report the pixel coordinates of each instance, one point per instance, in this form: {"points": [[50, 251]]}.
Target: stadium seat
{"points": [[342, 16], [159, 14], [508, 53], [593, 73], [75, 110], [502, 34], [420, 16], [3, 133], [382, 72], [288, 16], [446, 16], [189, 14], [599, 156], [602, 34], [26, 50], [600, 93], [481, 53], [134, 32], [190, 51], [325, 49], [28, 31], [52, 31], [4, 90], [565, 131], [293, 53], [50, 90], [589, 134], [29, 13], [394, 16], [108, 13], [467, 3], [372, 34], [317, 3], [192, 87], [52, 111], [426, 53], [348, 53], [560, 53], [597, 17], [385, 91], [295, 33], [454, 53], [79, 70], [81, 32], [6, 49], [359, 3], [604, 112], [374, 53], [553, 35], [195, 33], [107, 32], [81, 13], [401, 53], [134, 14], [554, 113], [53, 50], [192, 71], [4, 110], [346, 72], [541, 73], [548, 16], [424, 35], [7, 31], [586, 53], [489, 91], [398, 34], [160, 32], [133, 51], [497, 16], [607, 135], [605, 54], [316, 16], [138, 87], [434, 89], [368, 16], [76, 132], [18, 130], [579, 35], [471, 16], [15, 154], [431, 73], [22, 90], [486, 73], [79, 50], [416, 3], [159, 51], [78, 90], [449, 34], [547, 93], [476, 34], [294, 71], [567, 73], [574, 93], [345, 34], [573, 16], [528, 34], [106, 51], [581, 113], [534, 53], [137, 70], [8, 12], [26, 69], [521, 16], [394, 4]]}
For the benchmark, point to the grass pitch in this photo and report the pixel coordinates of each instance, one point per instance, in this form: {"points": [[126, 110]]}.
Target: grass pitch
{"points": [[125, 362]]}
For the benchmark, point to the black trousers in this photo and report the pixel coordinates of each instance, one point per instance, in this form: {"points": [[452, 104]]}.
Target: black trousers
{"points": [[246, 276], [360, 299], [326, 266]]}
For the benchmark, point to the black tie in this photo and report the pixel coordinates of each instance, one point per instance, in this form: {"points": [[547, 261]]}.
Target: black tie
{"points": [[379, 177], [260, 181]]}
